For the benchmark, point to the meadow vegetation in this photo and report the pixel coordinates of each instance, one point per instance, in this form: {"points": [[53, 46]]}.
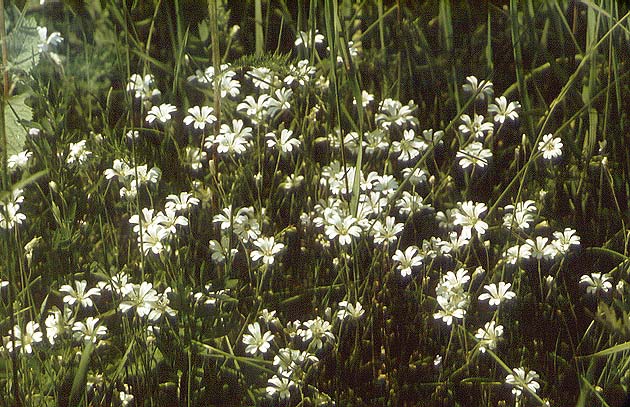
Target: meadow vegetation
{"points": [[315, 202]]}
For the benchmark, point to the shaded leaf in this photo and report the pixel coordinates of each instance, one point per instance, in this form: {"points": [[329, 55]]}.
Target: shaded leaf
{"points": [[15, 112], [22, 41]]}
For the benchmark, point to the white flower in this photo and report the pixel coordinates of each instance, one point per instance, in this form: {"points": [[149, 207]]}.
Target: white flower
{"points": [[206, 76], [522, 215], [79, 296], [407, 260], [366, 99], [233, 140], [317, 330], [386, 184], [564, 240], [475, 126], [516, 253], [387, 232], [409, 147], [194, 157], [154, 239], [256, 341], [596, 282], [455, 280], [343, 228], [550, 147], [161, 306], [89, 331], [142, 87], [540, 248], [162, 113], [220, 250], [267, 250], [502, 110], [142, 297], [19, 160], [46, 41], [488, 336], [497, 294], [288, 361], [118, 283], [280, 386], [347, 309], [300, 73], [120, 170], [228, 85], [246, 225], [78, 153], [520, 380], [262, 78], [473, 155], [306, 39], [10, 215], [147, 219], [416, 177], [200, 116], [169, 220], [451, 296], [57, 322], [125, 398], [181, 203], [411, 203], [481, 89], [286, 143], [255, 109], [269, 317], [279, 101], [468, 215], [226, 218], [292, 181], [25, 339], [375, 141], [455, 242], [394, 112]]}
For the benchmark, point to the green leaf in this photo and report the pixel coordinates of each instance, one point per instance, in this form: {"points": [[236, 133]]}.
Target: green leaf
{"points": [[22, 41], [15, 112], [622, 347], [80, 377]]}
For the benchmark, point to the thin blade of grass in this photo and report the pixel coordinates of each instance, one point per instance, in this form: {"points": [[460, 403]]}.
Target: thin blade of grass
{"points": [[80, 377]]}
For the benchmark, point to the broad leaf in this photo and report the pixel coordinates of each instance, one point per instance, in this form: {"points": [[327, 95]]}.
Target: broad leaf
{"points": [[22, 41], [15, 111]]}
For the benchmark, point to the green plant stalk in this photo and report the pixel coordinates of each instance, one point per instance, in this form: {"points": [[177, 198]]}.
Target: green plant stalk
{"points": [[151, 31], [216, 60], [446, 24], [515, 31], [5, 96], [332, 32], [78, 384], [260, 39], [381, 27]]}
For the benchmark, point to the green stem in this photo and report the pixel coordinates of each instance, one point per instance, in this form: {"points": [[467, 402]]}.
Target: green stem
{"points": [[260, 40], [5, 95], [216, 60]]}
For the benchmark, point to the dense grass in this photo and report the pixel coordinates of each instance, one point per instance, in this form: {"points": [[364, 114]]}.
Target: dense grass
{"points": [[284, 265]]}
